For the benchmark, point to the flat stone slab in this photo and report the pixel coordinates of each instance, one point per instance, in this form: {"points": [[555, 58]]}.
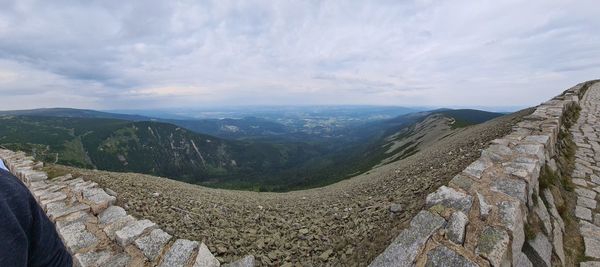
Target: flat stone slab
{"points": [[512, 187], [180, 253], [80, 216], [132, 231], [53, 197], [442, 256], [585, 192], [153, 243], [590, 264], [406, 246], [580, 182], [205, 258], [450, 198], [58, 209]]}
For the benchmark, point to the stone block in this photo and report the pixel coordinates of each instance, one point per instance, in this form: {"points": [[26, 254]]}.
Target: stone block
{"points": [[76, 237], [450, 198], [588, 229], [592, 247], [180, 253], [583, 213], [153, 243], [586, 202], [584, 192], [512, 187], [557, 242], [132, 231], [408, 244], [497, 152], [111, 228], [542, 212], [552, 208], [492, 245], [52, 197], [58, 209], [91, 259], [580, 182], [205, 258], [80, 216], [477, 168], [521, 260], [111, 214], [535, 150], [540, 250], [442, 256], [101, 258], [484, 207], [97, 198], [456, 227], [511, 217], [247, 261], [80, 187], [461, 181]]}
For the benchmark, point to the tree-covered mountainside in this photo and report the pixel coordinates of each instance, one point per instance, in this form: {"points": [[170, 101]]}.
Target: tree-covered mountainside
{"points": [[274, 164]]}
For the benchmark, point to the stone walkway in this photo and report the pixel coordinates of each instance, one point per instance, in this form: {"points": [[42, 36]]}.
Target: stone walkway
{"points": [[586, 176], [99, 233], [498, 212]]}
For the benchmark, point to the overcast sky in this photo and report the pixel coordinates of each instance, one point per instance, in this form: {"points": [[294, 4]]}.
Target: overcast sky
{"points": [[161, 54]]}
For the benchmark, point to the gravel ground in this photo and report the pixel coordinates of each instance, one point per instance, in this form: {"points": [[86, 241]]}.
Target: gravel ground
{"points": [[345, 224]]}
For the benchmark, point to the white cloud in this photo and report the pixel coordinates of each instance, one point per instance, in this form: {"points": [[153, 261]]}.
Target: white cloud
{"points": [[144, 54]]}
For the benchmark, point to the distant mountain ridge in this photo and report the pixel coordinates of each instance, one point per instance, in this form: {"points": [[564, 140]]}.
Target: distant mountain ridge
{"points": [[131, 143]]}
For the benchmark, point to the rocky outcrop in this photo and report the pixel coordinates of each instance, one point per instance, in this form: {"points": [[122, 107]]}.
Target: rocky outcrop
{"points": [[483, 217], [98, 233]]}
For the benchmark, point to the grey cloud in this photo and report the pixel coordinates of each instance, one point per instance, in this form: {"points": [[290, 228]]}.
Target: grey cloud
{"points": [[245, 52]]}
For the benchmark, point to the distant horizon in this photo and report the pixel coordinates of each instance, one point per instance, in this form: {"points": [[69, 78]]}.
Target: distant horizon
{"points": [[274, 106]]}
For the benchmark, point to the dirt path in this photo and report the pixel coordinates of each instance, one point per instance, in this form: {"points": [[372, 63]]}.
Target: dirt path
{"points": [[344, 224]]}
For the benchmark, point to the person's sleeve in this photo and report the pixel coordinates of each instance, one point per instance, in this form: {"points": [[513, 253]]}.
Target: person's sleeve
{"points": [[27, 236], [46, 248]]}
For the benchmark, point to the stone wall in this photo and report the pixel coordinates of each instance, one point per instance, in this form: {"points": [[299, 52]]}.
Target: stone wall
{"points": [[494, 213], [99, 233]]}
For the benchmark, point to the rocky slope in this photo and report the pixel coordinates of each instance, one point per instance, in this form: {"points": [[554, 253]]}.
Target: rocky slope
{"points": [[347, 223]]}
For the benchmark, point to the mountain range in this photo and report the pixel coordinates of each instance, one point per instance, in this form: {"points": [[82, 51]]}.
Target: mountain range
{"points": [[248, 153]]}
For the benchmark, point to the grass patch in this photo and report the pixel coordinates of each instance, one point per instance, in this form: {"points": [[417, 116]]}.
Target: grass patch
{"points": [[54, 171], [560, 183]]}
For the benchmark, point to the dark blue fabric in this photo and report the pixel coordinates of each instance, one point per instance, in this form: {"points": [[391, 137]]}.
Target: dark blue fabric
{"points": [[27, 236]]}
